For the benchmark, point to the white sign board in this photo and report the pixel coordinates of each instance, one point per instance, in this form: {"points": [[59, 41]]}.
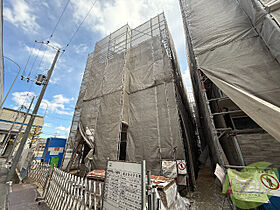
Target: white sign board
{"points": [[169, 168], [55, 150], [220, 173], [123, 187], [181, 166]]}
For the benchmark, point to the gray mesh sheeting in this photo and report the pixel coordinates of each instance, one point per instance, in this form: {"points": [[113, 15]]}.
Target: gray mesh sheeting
{"points": [[130, 78], [232, 48]]}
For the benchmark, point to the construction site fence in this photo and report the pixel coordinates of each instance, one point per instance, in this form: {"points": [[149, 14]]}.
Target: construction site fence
{"points": [[62, 190], [38, 173]]}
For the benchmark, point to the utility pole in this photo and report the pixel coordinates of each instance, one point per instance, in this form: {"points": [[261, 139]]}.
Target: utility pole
{"points": [[20, 129], [34, 113]]}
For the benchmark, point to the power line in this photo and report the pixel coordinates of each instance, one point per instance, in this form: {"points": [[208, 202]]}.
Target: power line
{"points": [[43, 57], [59, 19], [53, 31], [80, 24], [37, 54], [28, 59]]}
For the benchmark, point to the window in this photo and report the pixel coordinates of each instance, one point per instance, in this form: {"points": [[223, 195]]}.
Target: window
{"points": [[123, 143]]}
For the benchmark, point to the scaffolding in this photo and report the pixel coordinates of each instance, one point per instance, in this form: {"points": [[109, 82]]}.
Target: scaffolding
{"points": [[132, 103], [231, 65]]}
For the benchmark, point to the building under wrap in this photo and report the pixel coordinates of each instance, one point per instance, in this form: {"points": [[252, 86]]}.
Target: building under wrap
{"points": [[132, 104], [234, 54]]}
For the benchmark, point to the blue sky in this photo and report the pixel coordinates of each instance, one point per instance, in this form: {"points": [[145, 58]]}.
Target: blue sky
{"points": [[29, 20]]}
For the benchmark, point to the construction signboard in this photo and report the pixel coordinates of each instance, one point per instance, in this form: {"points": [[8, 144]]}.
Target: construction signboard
{"points": [[124, 186]]}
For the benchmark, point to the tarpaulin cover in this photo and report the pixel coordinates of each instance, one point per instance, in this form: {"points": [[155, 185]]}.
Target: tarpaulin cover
{"points": [[237, 45], [136, 87], [132, 103]]}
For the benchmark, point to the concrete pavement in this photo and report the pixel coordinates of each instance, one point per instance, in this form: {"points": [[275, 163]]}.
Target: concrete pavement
{"points": [[3, 185], [23, 196]]}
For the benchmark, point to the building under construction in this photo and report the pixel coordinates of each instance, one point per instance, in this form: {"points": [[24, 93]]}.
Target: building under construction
{"points": [[132, 104], [234, 54]]}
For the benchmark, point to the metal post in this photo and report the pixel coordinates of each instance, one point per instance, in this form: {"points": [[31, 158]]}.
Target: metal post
{"points": [[149, 191], [143, 169], [19, 131], [154, 199], [19, 69], [28, 128]]}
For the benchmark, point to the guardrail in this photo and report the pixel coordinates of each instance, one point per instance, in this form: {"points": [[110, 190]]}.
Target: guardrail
{"points": [[63, 190], [38, 173]]}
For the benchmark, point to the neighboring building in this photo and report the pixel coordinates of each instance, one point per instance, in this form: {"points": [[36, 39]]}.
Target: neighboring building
{"points": [[132, 104], [234, 55], [10, 121], [39, 147]]}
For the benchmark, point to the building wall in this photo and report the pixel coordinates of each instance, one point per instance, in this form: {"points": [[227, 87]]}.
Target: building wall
{"points": [[8, 116], [7, 119]]}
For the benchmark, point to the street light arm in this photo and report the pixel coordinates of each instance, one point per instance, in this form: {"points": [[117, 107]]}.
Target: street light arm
{"points": [[12, 82]]}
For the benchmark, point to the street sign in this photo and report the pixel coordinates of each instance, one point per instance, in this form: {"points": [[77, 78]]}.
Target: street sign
{"points": [[181, 165]]}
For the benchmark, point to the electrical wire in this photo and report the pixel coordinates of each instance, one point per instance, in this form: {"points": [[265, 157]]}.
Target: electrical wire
{"points": [[28, 59], [37, 54], [43, 57], [49, 38], [59, 19], [52, 33], [71, 39]]}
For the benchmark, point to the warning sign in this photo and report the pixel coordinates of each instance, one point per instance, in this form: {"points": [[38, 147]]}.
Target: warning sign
{"points": [[181, 165], [270, 181]]}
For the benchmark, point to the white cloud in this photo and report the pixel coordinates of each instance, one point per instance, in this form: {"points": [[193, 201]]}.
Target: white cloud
{"points": [[187, 80], [54, 80], [108, 17], [47, 53], [21, 15], [61, 99], [57, 105], [45, 4], [61, 136], [62, 128], [188, 84], [47, 125], [64, 112], [81, 48], [61, 131], [22, 98]]}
